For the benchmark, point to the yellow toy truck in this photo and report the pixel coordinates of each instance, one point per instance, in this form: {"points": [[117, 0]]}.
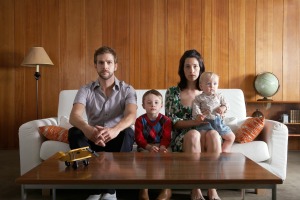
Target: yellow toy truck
{"points": [[76, 155]]}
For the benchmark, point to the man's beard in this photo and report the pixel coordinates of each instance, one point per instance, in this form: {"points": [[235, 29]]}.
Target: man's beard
{"points": [[105, 77]]}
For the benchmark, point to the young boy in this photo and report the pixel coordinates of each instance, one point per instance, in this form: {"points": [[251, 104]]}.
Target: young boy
{"points": [[153, 132], [210, 106]]}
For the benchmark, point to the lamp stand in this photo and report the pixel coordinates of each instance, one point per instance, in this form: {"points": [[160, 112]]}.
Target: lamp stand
{"points": [[37, 56], [37, 76]]}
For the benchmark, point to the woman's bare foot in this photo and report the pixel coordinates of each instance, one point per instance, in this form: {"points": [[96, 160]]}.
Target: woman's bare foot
{"points": [[197, 195], [213, 195]]}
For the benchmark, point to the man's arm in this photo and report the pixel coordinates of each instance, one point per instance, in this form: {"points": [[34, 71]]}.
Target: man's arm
{"points": [[128, 120], [77, 120], [129, 117]]}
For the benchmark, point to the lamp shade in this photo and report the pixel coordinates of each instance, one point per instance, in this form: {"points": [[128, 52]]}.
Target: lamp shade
{"points": [[36, 56]]}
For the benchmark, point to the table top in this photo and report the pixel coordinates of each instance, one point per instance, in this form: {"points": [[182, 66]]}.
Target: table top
{"points": [[153, 168]]}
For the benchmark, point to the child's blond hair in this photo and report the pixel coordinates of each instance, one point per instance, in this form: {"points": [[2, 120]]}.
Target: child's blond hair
{"points": [[208, 75]]}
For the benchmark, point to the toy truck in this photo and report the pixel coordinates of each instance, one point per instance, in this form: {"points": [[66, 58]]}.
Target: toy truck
{"points": [[76, 155]]}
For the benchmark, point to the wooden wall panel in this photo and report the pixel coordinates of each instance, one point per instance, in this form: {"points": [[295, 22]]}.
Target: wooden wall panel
{"points": [[134, 43], [72, 43], [19, 89], [250, 57], [277, 43], [94, 35], [207, 34], [175, 39], [109, 22], [291, 51], [160, 58], [148, 24], [193, 25], [237, 38], [220, 45], [7, 76], [50, 80], [121, 37], [236, 44]]}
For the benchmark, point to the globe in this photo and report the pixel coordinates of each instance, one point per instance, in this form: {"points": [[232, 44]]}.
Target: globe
{"points": [[266, 84]]}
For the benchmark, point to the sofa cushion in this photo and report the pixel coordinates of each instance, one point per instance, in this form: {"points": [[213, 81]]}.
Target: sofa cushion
{"points": [[50, 147], [231, 122], [54, 133], [257, 150], [249, 130]]}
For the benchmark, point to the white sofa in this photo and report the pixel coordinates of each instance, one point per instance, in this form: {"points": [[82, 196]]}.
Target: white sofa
{"points": [[269, 149]]}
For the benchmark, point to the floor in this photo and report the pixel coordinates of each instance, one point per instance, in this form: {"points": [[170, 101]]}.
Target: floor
{"points": [[9, 190]]}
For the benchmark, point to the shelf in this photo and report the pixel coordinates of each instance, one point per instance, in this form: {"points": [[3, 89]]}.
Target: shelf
{"points": [[274, 110], [275, 102], [294, 135]]}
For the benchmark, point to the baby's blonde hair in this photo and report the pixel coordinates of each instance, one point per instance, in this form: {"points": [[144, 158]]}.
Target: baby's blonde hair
{"points": [[208, 75]]}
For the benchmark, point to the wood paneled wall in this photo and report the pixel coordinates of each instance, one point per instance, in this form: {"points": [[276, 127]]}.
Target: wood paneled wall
{"points": [[238, 39]]}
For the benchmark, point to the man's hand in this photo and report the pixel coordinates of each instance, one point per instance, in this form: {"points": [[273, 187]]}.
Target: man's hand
{"points": [[104, 135], [93, 134]]}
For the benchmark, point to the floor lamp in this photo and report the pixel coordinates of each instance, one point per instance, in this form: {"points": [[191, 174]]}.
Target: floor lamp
{"points": [[37, 56]]}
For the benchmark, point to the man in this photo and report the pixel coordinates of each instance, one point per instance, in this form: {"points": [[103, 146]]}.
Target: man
{"points": [[110, 106]]}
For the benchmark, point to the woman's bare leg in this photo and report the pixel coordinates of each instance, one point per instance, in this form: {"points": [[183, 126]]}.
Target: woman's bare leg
{"points": [[213, 144], [192, 144]]}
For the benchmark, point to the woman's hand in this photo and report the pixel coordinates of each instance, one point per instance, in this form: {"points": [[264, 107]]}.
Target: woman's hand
{"points": [[200, 117]]}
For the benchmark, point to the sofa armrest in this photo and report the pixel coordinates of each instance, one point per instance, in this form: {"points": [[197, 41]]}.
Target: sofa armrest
{"points": [[275, 134], [30, 142]]}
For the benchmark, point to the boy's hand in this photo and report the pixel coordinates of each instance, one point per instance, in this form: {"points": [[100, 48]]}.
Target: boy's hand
{"points": [[152, 148], [163, 149]]}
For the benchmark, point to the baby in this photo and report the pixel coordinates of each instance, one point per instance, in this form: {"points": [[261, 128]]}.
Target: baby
{"points": [[210, 106]]}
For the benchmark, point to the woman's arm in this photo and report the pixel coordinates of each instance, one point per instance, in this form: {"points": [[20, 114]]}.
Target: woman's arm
{"points": [[171, 108], [183, 124]]}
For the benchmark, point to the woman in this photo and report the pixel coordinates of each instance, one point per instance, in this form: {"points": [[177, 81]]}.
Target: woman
{"points": [[190, 135]]}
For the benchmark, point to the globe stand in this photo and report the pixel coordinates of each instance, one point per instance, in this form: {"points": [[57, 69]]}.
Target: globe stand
{"points": [[264, 99]]}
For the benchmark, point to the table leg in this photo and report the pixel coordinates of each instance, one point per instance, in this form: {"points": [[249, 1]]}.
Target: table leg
{"points": [[53, 194], [243, 191], [23, 193], [274, 192]]}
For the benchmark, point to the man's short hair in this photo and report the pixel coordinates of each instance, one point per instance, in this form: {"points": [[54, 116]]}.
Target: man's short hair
{"points": [[103, 50]]}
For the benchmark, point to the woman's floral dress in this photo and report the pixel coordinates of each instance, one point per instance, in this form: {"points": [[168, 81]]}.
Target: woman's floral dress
{"points": [[176, 111]]}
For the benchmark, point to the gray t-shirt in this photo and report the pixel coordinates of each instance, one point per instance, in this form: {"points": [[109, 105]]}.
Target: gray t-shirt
{"points": [[102, 110]]}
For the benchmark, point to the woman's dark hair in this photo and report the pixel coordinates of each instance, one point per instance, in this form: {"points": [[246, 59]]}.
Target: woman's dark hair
{"points": [[182, 84]]}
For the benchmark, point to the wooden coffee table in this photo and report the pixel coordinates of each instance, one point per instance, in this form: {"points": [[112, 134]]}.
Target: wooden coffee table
{"points": [[154, 171]]}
